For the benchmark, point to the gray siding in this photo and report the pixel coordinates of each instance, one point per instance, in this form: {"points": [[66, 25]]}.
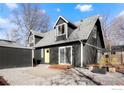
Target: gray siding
{"points": [[54, 55], [37, 39], [76, 54], [70, 30], [100, 43], [54, 51], [91, 53], [15, 57], [37, 54]]}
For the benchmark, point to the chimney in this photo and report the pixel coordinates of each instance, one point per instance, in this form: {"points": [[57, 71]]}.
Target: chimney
{"points": [[81, 20], [80, 24]]}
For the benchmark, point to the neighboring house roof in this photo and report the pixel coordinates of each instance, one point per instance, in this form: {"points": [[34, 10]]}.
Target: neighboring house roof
{"points": [[118, 48], [82, 32], [36, 33], [8, 43]]}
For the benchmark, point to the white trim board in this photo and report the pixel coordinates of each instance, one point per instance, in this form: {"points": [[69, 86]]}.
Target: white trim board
{"points": [[42, 53], [81, 54]]}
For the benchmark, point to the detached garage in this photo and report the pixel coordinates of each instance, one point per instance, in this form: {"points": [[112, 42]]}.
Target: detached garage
{"points": [[13, 55]]}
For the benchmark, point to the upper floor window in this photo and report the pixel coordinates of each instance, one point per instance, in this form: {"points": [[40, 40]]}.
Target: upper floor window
{"points": [[95, 31], [31, 39], [61, 29]]}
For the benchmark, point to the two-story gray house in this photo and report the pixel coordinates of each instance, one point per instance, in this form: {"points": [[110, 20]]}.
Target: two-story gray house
{"points": [[77, 43]]}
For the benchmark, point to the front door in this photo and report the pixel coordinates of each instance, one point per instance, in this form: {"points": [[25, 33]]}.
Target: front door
{"points": [[47, 55]]}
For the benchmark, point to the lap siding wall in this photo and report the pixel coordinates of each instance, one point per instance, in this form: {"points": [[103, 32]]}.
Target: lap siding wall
{"points": [[15, 57]]}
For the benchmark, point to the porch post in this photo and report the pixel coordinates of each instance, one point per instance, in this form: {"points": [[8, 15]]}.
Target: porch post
{"points": [[32, 57]]}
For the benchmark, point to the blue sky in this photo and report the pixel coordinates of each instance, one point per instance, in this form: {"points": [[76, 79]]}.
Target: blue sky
{"points": [[71, 11]]}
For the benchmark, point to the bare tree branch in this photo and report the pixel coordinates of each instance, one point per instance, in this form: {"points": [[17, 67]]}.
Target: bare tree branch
{"points": [[30, 17], [117, 30]]}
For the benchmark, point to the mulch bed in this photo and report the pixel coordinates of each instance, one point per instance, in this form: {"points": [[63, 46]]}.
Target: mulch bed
{"points": [[3, 81], [60, 67]]}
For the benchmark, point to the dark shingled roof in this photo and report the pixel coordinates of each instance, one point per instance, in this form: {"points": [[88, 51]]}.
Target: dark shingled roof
{"points": [[13, 44], [36, 33], [82, 32]]}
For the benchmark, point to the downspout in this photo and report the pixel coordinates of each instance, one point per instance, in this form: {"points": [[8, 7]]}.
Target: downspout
{"points": [[33, 56], [90, 45], [82, 50], [33, 49], [81, 53]]}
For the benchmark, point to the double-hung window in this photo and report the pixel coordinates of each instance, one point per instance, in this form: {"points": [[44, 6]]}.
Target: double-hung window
{"points": [[61, 29]]}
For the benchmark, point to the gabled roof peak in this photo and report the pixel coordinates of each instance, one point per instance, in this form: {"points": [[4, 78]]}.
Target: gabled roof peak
{"points": [[68, 22], [77, 34], [36, 33], [58, 20]]}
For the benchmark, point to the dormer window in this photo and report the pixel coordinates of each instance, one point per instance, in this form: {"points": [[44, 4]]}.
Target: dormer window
{"points": [[61, 29]]}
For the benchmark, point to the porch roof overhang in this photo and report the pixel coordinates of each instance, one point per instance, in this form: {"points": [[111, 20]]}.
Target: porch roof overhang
{"points": [[59, 43]]}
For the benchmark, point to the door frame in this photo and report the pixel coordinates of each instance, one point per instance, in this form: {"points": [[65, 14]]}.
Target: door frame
{"points": [[45, 55], [64, 47]]}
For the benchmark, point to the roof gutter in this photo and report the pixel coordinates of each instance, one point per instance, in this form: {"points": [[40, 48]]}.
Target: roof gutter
{"points": [[91, 45]]}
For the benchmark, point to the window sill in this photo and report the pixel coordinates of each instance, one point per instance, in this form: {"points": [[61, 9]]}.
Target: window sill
{"points": [[61, 34]]}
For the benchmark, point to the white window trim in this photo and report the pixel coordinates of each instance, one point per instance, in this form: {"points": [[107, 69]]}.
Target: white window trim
{"points": [[65, 33], [42, 53], [64, 47], [64, 55], [81, 54]]}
